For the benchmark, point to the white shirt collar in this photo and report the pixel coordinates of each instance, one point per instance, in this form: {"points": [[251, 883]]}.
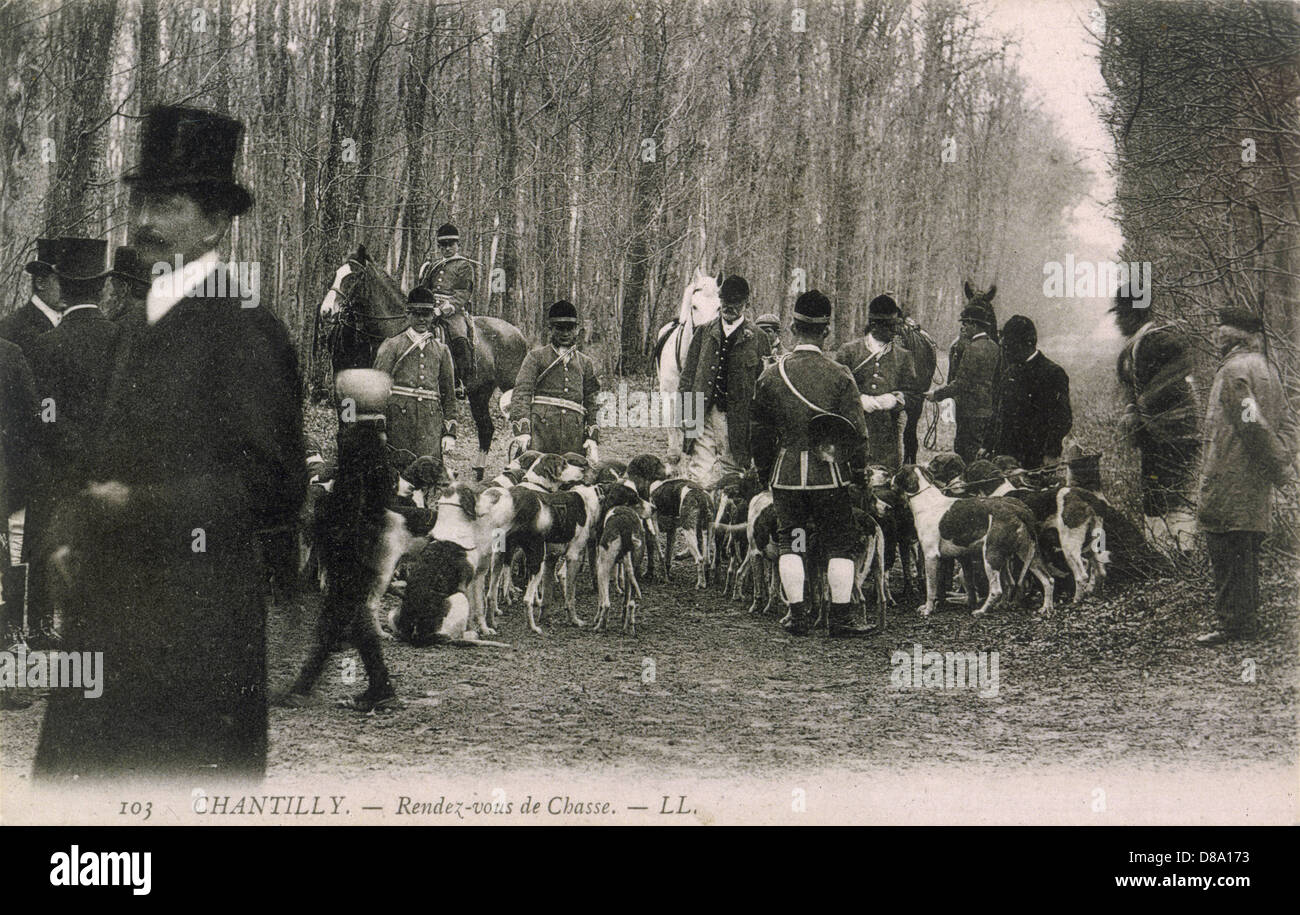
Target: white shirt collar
{"points": [[1034, 356], [980, 334], [729, 329], [167, 289], [46, 310], [812, 346], [71, 309]]}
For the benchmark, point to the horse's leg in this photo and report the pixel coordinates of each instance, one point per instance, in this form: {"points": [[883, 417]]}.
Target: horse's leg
{"points": [[480, 407]]}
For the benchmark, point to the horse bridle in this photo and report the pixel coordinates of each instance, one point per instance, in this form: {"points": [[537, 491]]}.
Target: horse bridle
{"points": [[347, 311]]}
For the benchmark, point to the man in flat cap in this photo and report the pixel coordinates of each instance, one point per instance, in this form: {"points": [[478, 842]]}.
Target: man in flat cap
{"points": [[451, 279], [1250, 439], [422, 409], [880, 367], [806, 434], [199, 448], [723, 363], [553, 405], [71, 365], [972, 385], [1160, 416], [770, 324]]}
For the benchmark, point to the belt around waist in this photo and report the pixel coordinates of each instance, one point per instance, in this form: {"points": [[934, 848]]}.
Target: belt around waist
{"points": [[418, 393], [543, 401]]}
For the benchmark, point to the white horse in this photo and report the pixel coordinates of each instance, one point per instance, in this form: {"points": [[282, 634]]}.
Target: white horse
{"points": [[700, 305]]}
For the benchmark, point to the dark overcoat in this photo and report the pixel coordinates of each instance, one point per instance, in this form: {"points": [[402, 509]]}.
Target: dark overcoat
{"points": [[24, 326], [745, 363], [1033, 411], [203, 425]]}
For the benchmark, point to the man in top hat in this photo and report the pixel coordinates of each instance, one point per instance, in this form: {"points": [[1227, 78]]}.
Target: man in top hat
{"points": [[972, 385], [806, 435], [723, 363], [1160, 418], [71, 365], [1034, 413], [130, 283], [451, 278], [770, 324], [553, 406], [422, 410], [1251, 437], [199, 448], [881, 366], [41, 311]]}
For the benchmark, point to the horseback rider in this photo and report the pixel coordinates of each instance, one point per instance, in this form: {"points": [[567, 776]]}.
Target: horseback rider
{"points": [[451, 278]]}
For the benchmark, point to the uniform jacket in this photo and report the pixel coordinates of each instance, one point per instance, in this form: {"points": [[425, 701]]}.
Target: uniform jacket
{"points": [[554, 400], [18, 418], [885, 372], [24, 326], [72, 365], [745, 363], [1250, 441], [972, 385], [453, 276], [1033, 410], [423, 404], [783, 450], [1155, 368], [202, 427]]}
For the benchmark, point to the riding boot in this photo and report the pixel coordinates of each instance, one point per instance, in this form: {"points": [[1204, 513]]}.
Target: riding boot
{"points": [[843, 624], [462, 356], [796, 621]]}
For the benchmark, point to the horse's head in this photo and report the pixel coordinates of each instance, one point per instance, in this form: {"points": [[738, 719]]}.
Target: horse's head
{"points": [[700, 303], [348, 285], [975, 297]]}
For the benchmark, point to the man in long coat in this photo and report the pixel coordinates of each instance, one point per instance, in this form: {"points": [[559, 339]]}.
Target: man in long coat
{"points": [[1251, 437], [71, 365], [881, 367], [200, 447], [553, 405], [422, 409], [40, 313], [1034, 408], [18, 420], [723, 363], [1160, 417], [973, 384]]}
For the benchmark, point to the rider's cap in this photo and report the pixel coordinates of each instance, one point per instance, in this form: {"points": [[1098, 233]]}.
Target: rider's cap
{"points": [[562, 312], [420, 299], [812, 308], [979, 314], [734, 290], [447, 232]]}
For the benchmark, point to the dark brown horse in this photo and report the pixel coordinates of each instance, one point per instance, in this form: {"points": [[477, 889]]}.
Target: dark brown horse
{"points": [[365, 306]]}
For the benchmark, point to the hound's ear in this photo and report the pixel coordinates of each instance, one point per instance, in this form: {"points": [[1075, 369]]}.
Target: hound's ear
{"points": [[993, 290], [966, 288]]}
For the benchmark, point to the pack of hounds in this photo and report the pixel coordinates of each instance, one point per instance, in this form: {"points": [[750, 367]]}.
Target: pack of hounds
{"points": [[991, 530]]}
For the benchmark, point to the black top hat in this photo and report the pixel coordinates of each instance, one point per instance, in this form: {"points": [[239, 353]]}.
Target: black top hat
{"points": [[420, 299], [812, 308], [70, 258], [127, 266], [883, 306], [734, 290], [563, 312], [190, 147], [1242, 319], [447, 232]]}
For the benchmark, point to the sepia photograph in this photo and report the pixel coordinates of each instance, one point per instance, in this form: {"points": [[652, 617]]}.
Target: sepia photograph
{"points": [[650, 412]]}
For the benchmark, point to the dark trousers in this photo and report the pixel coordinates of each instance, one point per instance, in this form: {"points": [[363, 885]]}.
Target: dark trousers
{"points": [[912, 406], [827, 511], [970, 436], [1234, 559]]}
